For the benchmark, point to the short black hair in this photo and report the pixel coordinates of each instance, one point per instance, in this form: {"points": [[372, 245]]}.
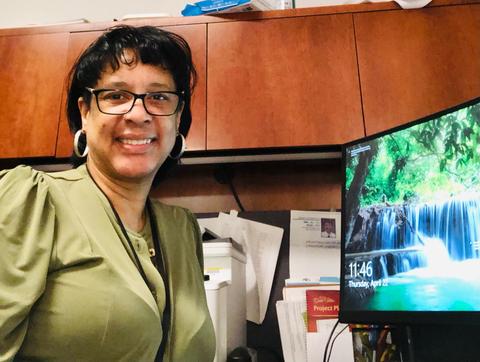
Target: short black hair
{"points": [[150, 45]]}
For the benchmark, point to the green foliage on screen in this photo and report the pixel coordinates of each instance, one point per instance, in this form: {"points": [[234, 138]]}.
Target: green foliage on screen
{"points": [[429, 161]]}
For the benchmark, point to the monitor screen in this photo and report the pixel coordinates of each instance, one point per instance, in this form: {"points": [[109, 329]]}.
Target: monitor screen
{"points": [[411, 222]]}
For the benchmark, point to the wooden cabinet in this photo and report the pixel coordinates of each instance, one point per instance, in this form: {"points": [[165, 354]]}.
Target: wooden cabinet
{"points": [[299, 77], [282, 82], [195, 35], [414, 63], [77, 43], [31, 80]]}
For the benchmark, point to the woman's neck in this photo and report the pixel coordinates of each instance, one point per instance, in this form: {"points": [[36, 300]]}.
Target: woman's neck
{"points": [[128, 198]]}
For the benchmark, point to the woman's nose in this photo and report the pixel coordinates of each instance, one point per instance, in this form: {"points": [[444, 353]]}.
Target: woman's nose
{"points": [[138, 113]]}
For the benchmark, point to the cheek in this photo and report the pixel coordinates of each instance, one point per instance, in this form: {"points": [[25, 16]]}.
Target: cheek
{"points": [[98, 131], [169, 132], [102, 123], [169, 139]]}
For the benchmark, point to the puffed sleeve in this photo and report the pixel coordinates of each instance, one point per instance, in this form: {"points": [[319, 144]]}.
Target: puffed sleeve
{"points": [[27, 227]]}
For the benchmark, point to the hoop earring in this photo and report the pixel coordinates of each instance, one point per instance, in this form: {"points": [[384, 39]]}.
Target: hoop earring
{"points": [[75, 144], [179, 145]]}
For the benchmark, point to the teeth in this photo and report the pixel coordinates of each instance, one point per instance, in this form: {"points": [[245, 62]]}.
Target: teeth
{"points": [[136, 142]]}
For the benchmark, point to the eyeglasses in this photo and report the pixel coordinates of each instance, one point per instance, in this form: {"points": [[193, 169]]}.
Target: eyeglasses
{"points": [[118, 101]]}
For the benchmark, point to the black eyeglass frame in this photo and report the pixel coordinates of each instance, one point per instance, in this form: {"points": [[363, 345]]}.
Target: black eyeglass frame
{"points": [[136, 96]]}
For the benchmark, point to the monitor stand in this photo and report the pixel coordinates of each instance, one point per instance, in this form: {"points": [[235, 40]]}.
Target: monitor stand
{"points": [[439, 343]]}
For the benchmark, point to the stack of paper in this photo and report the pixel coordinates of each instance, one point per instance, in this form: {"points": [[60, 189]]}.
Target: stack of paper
{"points": [[306, 318], [295, 289], [311, 295]]}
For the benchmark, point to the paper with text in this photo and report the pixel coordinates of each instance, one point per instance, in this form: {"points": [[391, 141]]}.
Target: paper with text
{"points": [[314, 243]]}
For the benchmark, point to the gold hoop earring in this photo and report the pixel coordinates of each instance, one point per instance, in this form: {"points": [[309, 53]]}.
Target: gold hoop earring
{"points": [[76, 139]]}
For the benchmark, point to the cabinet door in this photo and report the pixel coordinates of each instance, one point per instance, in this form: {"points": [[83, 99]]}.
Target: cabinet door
{"points": [[415, 63], [195, 35], [31, 79], [282, 82], [77, 43]]}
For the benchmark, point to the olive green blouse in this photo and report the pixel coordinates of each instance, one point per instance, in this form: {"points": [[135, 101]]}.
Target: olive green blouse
{"points": [[69, 290]]}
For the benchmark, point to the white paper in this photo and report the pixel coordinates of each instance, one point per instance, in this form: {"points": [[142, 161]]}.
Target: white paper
{"points": [[261, 243], [292, 330], [209, 223], [342, 347], [412, 4], [405, 4], [300, 293], [314, 248]]}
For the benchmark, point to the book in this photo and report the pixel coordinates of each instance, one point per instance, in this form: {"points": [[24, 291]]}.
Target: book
{"points": [[322, 318], [321, 304]]}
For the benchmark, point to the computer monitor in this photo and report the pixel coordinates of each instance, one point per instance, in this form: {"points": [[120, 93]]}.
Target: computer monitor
{"points": [[411, 222]]}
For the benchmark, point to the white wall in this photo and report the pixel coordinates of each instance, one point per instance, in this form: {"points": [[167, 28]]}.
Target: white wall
{"points": [[14, 13], [18, 13]]}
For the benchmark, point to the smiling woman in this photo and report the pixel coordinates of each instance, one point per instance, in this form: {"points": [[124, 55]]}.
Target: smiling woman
{"points": [[125, 139], [91, 268]]}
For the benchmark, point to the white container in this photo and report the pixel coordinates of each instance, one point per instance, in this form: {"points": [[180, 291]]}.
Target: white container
{"points": [[217, 306], [224, 262]]}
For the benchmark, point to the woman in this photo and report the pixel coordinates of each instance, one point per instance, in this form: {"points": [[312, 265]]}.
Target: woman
{"points": [[77, 274]]}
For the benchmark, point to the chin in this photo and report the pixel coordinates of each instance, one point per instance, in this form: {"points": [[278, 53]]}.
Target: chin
{"points": [[137, 170]]}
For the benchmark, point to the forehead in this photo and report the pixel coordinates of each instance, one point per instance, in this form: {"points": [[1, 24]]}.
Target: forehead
{"points": [[136, 74]]}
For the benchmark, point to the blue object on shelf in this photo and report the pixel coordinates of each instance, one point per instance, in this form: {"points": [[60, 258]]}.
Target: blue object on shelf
{"points": [[215, 6]]}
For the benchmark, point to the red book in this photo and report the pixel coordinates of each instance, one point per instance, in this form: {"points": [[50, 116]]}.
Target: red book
{"points": [[321, 304]]}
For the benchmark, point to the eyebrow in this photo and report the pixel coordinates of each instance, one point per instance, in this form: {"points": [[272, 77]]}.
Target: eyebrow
{"points": [[123, 84]]}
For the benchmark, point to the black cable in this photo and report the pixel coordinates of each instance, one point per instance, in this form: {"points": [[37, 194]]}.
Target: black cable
{"points": [[224, 175], [333, 341], [328, 341], [235, 195], [408, 331], [159, 264], [131, 253]]}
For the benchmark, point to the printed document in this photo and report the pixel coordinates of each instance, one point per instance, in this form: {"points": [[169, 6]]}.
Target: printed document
{"points": [[314, 243]]}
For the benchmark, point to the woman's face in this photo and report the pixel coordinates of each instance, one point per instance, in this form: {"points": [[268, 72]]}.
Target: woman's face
{"points": [[132, 146]]}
